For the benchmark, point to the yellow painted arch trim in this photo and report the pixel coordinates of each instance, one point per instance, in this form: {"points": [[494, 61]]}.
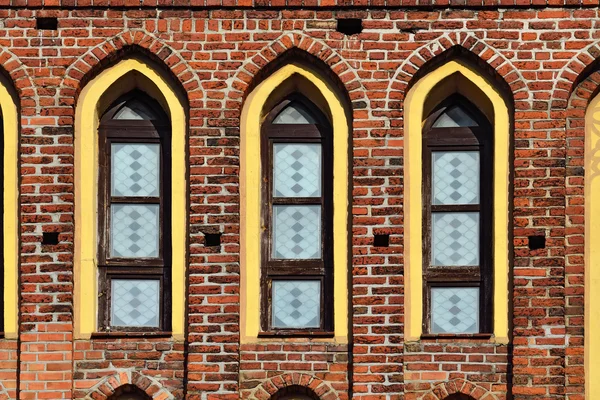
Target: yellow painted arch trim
{"points": [[592, 250], [86, 194], [10, 121], [251, 201], [413, 118]]}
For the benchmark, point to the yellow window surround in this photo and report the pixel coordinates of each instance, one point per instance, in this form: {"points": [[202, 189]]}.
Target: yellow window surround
{"points": [[93, 101], [250, 176], [10, 121], [434, 87], [592, 250]]}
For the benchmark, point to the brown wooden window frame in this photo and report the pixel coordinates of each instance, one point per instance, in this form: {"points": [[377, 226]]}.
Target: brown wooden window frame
{"points": [[480, 139], [139, 132], [285, 269]]}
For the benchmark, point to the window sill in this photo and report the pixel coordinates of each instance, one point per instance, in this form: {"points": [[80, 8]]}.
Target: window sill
{"points": [[461, 336], [129, 335], [296, 334]]}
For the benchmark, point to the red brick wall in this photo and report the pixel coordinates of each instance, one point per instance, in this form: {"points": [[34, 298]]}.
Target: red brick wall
{"points": [[543, 61]]}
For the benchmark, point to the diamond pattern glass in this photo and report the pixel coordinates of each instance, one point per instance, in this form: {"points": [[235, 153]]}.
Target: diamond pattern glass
{"points": [[456, 177], [455, 310], [134, 110], [296, 304], [297, 170], [135, 302], [294, 113], [455, 239], [134, 230], [454, 117], [297, 232], [135, 169]]}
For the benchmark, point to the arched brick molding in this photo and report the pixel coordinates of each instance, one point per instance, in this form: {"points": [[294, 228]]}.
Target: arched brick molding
{"points": [[248, 74], [110, 385], [269, 388], [458, 389], [574, 73], [114, 49], [3, 393], [410, 69], [16, 71]]}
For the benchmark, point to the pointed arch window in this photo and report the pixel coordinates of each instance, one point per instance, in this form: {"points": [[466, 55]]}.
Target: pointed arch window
{"points": [[297, 259], [134, 238], [457, 195]]}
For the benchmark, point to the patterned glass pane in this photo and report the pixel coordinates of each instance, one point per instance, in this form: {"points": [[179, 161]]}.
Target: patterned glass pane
{"points": [[297, 170], [135, 169], [455, 238], [134, 230], [135, 110], [455, 310], [454, 117], [135, 302], [295, 113], [296, 304], [297, 232], [456, 177]]}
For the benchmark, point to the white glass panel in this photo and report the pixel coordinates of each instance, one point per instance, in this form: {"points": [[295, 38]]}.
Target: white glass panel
{"points": [[134, 230], [455, 310], [135, 302], [135, 169], [294, 113], [134, 110], [454, 117], [297, 170], [296, 304], [455, 177], [297, 232], [455, 240]]}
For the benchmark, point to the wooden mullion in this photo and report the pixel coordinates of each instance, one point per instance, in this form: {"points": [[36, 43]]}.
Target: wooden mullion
{"points": [[452, 208], [466, 273], [292, 201]]}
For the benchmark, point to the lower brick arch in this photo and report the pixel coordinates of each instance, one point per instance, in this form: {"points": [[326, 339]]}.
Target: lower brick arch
{"points": [[279, 386], [458, 389], [127, 381], [3, 393]]}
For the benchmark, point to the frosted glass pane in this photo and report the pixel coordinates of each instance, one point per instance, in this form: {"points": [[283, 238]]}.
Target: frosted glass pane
{"points": [[454, 117], [135, 302], [455, 240], [135, 230], [297, 232], [296, 304], [455, 310], [134, 110], [135, 169], [297, 170], [294, 113], [456, 177]]}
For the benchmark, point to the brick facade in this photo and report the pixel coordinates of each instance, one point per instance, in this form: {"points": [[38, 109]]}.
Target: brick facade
{"points": [[543, 57]]}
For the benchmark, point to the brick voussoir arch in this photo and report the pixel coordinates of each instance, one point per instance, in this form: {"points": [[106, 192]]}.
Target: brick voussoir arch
{"points": [[108, 51], [21, 80], [458, 386], [419, 57], [241, 82], [568, 76], [3, 393], [271, 386], [109, 385]]}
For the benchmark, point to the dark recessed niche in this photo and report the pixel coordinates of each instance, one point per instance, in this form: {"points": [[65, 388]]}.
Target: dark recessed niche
{"points": [[381, 240], [46, 23], [349, 26], [537, 242], [50, 238], [212, 239]]}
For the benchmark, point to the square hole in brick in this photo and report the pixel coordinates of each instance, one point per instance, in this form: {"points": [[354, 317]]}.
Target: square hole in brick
{"points": [[212, 239], [50, 238], [349, 26], [537, 242], [46, 23], [381, 240]]}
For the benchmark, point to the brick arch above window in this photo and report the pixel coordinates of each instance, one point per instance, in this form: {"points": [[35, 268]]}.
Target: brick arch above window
{"points": [[121, 382], [284, 384]]}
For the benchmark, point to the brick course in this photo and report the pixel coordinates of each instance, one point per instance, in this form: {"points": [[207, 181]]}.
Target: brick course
{"points": [[543, 58]]}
